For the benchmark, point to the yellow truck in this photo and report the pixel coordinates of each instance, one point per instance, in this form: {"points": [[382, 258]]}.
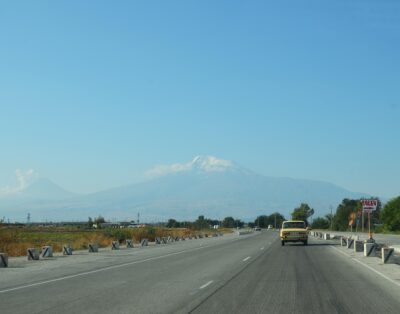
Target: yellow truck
{"points": [[294, 231]]}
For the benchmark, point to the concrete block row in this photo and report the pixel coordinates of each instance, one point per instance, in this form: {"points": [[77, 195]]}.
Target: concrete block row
{"points": [[369, 249], [33, 254]]}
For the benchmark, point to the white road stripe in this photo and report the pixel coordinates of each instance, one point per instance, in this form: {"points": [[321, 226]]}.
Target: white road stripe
{"points": [[206, 284], [262, 248], [247, 258], [369, 267], [99, 270]]}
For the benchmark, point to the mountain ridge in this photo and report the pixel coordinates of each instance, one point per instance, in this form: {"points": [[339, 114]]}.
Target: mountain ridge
{"points": [[204, 186]]}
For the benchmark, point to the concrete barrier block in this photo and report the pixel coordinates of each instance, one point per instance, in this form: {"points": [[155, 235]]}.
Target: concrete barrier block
{"points": [[47, 251], [157, 241], [33, 254], [200, 236], [388, 255], [206, 235], [144, 242], [343, 241], [3, 260], [369, 249], [115, 245], [358, 246], [67, 249], [170, 239], [327, 236], [129, 244], [93, 247], [164, 240], [350, 243]]}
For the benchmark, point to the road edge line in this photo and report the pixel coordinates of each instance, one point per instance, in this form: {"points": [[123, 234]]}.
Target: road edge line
{"points": [[367, 266]]}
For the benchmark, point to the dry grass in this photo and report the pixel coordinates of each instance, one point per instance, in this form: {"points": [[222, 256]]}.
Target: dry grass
{"points": [[15, 240]]}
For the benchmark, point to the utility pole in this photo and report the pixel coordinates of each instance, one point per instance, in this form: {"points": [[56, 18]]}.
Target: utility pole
{"points": [[362, 220], [275, 220], [331, 217], [138, 216]]}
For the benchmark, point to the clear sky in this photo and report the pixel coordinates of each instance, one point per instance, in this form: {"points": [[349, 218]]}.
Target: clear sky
{"points": [[94, 93]]}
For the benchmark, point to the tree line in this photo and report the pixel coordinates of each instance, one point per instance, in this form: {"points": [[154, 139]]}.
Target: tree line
{"points": [[348, 215], [262, 221], [204, 223]]}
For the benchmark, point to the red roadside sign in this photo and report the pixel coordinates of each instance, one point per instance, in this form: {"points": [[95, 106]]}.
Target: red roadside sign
{"points": [[369, 205]]}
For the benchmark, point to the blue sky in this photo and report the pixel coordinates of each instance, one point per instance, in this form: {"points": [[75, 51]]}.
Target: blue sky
{"points": [[93, 94]]}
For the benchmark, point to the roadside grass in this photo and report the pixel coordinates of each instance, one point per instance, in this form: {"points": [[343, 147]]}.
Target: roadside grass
{"points": [[16, 240]]}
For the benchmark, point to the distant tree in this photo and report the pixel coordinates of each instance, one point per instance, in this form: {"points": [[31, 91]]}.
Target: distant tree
{"points": [[228, 222], [302, 212], [213, 222], [391, 215], [264, 220], [277, 218], [251, 224], [343, 212], [238, 223], [99, 220], [329, 218], [201, 223], [320, 223], [172, 223], [90, 222]]}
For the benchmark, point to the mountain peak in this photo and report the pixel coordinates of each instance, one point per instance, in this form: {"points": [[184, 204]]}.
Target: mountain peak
{"points": [[199, 164], [46, 189], [211, 163]]}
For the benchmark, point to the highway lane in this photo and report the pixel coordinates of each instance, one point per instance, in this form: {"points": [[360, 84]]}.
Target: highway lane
{"points": [[150, 280], [246, 274], [298, 279]]}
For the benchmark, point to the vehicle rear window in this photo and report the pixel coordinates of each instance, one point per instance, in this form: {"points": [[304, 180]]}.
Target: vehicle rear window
{"points": [[293, 224]]}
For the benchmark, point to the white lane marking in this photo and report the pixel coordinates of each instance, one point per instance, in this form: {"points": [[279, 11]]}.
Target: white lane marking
{"points": [[247, 258], [262, 248], [206, 284], [369, 267], [99, 270]]}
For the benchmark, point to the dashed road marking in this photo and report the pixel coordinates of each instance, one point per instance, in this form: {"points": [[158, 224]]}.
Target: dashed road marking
{"points": [[262, 248], [247, 258], [206, 284]]}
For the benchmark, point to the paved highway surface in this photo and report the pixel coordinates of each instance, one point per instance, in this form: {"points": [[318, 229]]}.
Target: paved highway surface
{"points": [[230, 274]]}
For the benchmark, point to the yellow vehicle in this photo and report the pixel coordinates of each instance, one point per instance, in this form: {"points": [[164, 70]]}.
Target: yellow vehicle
{"points": [[294, 231]]}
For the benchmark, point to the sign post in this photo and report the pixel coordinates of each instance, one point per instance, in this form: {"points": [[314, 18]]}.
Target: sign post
{"points": [[369, 206]]}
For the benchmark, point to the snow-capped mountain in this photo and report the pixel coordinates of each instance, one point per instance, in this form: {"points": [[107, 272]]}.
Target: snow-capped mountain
{"points": [[205, 185], [199, 164]]}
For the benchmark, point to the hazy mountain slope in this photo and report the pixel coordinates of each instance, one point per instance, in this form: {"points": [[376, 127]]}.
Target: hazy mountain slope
{"points": [[206, 185]]}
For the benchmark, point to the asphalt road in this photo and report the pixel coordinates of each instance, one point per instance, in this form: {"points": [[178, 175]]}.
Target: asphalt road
{"points": [[230, 274]]}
